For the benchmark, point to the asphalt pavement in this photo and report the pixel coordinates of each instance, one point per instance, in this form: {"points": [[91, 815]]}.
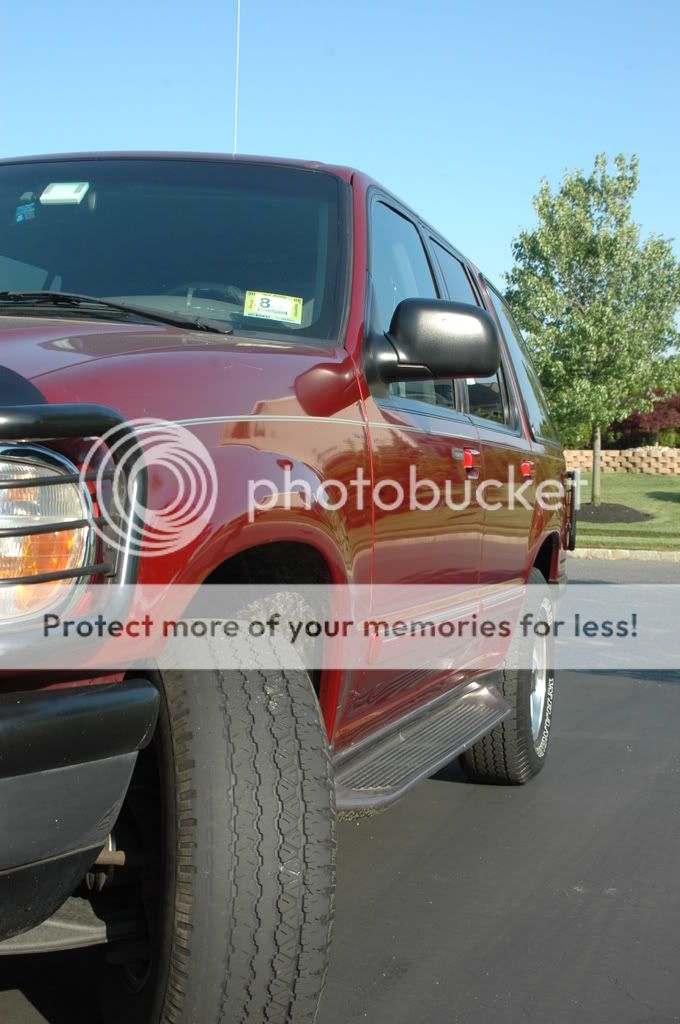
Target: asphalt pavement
{"points": [[554, 903]]}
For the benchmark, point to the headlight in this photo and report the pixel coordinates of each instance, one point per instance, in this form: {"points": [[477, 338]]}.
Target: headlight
{"points": [[29, 505]]}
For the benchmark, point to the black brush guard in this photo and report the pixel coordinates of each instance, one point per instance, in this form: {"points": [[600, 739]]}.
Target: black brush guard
{"points": [[44, 423]]}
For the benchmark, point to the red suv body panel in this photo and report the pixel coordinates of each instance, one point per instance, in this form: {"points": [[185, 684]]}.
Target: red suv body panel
{"points": [[252, 403]]}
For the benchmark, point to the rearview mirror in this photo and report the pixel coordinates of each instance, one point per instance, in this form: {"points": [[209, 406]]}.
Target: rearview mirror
{"points": [[430, 338]]}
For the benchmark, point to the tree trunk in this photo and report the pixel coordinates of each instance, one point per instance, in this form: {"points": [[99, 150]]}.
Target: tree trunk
{"points": [[597, 467]]}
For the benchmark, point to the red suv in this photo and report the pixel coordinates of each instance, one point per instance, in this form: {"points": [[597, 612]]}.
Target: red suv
{"points": [[299, 323]]}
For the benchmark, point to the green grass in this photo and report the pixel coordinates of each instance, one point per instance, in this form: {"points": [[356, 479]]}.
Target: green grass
{"points": [[657, 495]]}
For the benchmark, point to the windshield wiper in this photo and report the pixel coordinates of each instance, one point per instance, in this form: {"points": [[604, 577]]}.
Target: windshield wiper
{"points": [[71, 300]]}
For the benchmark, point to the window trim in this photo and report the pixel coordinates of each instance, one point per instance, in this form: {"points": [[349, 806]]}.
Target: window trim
{"points": [[437, 240], [412, 405], [418, 408]]}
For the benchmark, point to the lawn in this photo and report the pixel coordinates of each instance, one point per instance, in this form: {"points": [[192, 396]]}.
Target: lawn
{"points": [[657, 495]]}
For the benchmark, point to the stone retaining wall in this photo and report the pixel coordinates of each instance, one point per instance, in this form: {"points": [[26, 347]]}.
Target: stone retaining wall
{"points": [[653, 459]]}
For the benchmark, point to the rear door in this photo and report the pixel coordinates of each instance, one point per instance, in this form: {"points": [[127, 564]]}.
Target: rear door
{"points": [[546, 456], [507, 490]]}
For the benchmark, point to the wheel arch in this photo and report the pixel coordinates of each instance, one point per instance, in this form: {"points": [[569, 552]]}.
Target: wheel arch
{"points": [[274, 561], [546, 557], [285, 562]]}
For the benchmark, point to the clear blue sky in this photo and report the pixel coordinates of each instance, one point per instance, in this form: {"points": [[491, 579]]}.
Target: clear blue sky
{"points": [[452, 105]]}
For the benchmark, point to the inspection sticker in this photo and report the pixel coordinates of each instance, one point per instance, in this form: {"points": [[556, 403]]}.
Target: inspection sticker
{"points": [[270, 306], [24, 211], [64, 193]]}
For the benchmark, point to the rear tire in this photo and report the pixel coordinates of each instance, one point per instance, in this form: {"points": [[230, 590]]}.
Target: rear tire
{"points": [[241, 932], [516, 750]]}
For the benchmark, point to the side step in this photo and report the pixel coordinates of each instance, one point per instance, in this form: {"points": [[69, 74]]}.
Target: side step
{"points": [[75, 925], [382, 768]]}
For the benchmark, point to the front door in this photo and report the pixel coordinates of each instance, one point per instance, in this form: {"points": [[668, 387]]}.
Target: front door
{"points": [[425, 532]]}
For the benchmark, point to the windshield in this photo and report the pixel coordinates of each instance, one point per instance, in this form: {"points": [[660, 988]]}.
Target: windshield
{"points": [[257, 246]]}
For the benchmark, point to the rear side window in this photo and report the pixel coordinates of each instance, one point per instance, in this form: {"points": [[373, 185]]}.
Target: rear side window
{"points": [[485, 394], [535, 402], [400, 270], [485, 398], [456, 280]]}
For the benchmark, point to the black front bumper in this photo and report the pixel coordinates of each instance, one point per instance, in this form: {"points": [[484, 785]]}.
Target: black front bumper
{"points": [[66, 758], [66, 755]]}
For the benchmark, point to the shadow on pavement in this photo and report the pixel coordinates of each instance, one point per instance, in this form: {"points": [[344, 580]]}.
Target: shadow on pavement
{"points": [[453, 772]]}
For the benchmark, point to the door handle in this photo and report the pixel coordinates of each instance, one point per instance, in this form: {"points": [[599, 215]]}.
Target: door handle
{"points": [[470, 456], [467, 456]]}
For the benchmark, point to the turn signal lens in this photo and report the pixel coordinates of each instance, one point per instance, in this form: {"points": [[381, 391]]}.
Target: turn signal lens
{"points": [[24, 554]]}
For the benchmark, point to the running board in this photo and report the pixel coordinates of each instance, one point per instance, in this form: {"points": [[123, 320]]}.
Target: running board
{"points": [[74, 926], [376, 771]]}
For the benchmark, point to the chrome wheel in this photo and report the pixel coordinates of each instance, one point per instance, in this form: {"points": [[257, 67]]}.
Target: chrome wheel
{"points": [[539, 685]]}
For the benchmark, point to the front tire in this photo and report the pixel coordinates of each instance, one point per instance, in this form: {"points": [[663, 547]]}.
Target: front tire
{"points": [[241, 932], [515, 751]]}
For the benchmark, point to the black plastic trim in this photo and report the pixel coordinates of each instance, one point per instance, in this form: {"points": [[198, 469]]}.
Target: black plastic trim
{"points": [[98, 569], [31, 893], [54, 481], [41, 731], [18, 390], [40, 422]]}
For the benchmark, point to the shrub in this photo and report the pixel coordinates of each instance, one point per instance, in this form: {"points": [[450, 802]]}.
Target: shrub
{"points": [[647, 427], [670, 436]]}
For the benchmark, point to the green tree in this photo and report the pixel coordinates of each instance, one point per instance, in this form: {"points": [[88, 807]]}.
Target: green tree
{"points": [[597, 303]]}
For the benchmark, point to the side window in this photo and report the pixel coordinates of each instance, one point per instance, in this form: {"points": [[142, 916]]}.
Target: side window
{"points": [[535, 402], [457, 282], [485, 398], [400, 270], [399, 267], [485, 395]]}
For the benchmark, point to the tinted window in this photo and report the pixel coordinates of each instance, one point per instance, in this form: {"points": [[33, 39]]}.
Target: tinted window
{"points": [[399, 267], [434, 392], [530, 386], [400, 270], [256, 245], [485, 398], [457, 282]]}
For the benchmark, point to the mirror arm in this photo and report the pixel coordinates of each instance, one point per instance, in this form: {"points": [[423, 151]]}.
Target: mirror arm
{"points": [[384, 357], [382, 364]]}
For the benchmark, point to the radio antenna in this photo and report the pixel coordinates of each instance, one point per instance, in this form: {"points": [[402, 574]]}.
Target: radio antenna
{"points": [[238, 63]]}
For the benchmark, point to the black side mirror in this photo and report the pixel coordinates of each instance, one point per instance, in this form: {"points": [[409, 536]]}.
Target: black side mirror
{"points": [[430, 338]]}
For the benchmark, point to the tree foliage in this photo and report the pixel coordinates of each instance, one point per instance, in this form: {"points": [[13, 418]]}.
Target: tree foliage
{"points": [[598, 303]]}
